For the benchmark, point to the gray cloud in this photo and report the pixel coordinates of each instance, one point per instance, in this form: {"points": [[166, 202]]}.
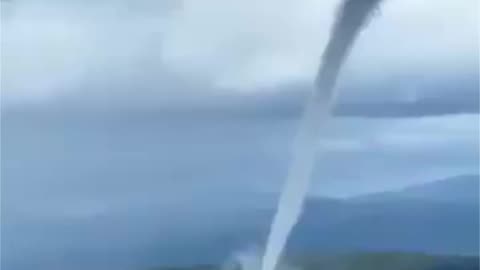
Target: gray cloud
{"points": [[146, 50], [403, 96]]}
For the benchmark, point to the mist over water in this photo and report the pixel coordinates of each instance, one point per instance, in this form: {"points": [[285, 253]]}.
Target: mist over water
{"points": [[250, 259], [351, 18]]}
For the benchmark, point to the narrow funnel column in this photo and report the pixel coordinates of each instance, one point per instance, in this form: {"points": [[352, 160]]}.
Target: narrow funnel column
{"points": [[351, 18]]}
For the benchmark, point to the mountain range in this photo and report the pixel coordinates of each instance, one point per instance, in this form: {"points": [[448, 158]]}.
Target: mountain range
{"points": [[439, 217]]}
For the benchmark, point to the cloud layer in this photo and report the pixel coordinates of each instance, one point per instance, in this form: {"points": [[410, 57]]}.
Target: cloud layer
{"points": [[175, 50]]}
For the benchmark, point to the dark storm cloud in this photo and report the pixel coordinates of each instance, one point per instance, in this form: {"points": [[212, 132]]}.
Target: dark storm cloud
{"points": [[446, 95], [405, 97], [170, 51]]}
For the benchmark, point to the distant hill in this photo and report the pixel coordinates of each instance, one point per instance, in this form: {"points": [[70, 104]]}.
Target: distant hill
{"points": [[389, 261], [369, 261], [441, 217]]}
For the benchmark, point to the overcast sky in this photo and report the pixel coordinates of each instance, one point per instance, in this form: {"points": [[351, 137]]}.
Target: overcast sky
{"points": [[239, 45], [255, 61], [416, 62]]}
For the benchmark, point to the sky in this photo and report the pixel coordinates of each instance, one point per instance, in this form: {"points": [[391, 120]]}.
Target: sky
{"points": [[240, 46], [416, 62], [115, 105]]}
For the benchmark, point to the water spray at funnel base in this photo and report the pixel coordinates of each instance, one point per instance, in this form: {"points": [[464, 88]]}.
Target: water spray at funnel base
{"points": [[352, 16]]}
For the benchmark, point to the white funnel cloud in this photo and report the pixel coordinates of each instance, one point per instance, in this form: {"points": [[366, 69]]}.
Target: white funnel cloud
{"points": [[351, 18]]}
